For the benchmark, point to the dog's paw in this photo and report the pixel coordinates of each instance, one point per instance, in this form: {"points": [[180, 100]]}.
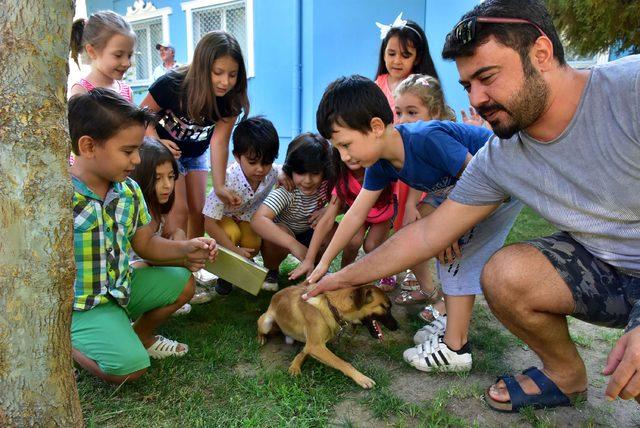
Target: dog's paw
{"points": [[294, 370], [364, 381], [262, 339], [288, 340]]}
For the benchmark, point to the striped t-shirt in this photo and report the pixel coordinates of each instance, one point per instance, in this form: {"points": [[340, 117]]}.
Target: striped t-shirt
{"points": [[294, 208]]}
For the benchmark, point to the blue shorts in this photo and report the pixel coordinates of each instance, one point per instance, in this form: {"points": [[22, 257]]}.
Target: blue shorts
{"points": [[195, 163]]}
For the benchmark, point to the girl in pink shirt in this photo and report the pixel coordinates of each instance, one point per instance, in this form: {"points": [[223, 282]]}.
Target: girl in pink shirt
{"points": [[108, 41]]}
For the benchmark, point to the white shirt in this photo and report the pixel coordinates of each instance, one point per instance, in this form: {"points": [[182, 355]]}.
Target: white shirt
{"points": [[237, 183], [160, 70]]}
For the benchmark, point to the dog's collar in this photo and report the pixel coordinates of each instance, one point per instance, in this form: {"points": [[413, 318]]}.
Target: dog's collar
{"points": [[336, 315]]}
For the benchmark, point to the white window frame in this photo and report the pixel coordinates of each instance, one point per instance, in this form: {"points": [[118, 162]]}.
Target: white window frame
{"points": [[147, 15], [194, 5]]}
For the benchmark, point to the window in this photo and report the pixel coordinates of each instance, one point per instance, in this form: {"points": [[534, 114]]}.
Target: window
{"points": [[233, 16], [151, 26], [145, 56]]}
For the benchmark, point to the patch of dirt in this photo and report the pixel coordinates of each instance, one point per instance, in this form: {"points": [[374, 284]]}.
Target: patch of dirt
{"points": [[245, 369], [350, 413]]}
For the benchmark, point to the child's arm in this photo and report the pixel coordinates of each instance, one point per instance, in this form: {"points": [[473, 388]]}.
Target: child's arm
{"points": [[219, 155], [214, 230], [152, 105], [262, 222], [77, 89], [321, 229], [411, 213], [352, 221], [192, 253]]}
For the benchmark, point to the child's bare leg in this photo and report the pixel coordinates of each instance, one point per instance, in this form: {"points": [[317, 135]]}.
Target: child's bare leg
{"points": [[350, 252], [92, 367], [196, 187], [146, 325], [378, 233], [423, 273], [179, 214], [326, 242], [459, 310]]}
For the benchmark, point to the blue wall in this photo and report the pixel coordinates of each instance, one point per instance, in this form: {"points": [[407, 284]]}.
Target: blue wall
{"points": [[302, 45]]}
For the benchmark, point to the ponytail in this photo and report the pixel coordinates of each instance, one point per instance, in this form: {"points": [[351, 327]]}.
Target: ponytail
{"points": [[76, 39]]}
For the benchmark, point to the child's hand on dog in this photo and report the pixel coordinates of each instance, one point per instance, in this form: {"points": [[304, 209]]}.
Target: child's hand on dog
{"points": [[318, 272], [303, 268], [329, 282]]}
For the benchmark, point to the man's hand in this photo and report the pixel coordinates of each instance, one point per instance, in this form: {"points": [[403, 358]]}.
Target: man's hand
{"points": [[303, 269], [450, 254], [328, 283], [623, 364], [228, 197], [411, 214], [173, 148], [318, 272], [198, 251]]}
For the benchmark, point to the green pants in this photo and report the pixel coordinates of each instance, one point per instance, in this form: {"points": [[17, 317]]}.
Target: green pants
{"points": [[105, 334]]}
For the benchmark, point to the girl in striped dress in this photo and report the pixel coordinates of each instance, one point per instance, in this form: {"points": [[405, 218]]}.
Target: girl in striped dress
{"points": [[284, 220]]}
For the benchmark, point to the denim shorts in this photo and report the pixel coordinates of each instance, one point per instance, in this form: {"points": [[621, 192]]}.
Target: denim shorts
{"points": [[195, 163], [603, 294]]}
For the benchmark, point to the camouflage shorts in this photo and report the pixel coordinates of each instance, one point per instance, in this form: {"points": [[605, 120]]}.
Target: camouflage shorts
{"points": [[603, 295]]}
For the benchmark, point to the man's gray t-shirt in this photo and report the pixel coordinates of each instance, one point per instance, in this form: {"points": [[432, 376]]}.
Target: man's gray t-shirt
{"points": [[585, 182]]}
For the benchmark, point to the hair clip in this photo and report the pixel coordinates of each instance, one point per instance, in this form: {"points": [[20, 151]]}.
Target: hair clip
{"points": [[384, 29], [423, 81]]}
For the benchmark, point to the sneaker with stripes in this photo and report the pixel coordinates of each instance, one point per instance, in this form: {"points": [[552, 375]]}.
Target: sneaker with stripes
{"points": [[435, 356], [435, 328]]}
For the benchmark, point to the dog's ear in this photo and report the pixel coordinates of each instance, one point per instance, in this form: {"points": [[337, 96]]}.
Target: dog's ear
{"points": [[362, 296]]}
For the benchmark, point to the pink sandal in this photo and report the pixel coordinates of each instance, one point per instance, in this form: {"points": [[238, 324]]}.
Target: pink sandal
{"points": [[387, 284]]}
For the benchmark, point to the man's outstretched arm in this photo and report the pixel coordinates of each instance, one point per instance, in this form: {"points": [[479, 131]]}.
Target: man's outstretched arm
{"points": [[413, 244]]}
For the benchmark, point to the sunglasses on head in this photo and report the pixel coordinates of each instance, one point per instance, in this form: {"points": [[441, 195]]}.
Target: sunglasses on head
{"points": [[465, 30]]}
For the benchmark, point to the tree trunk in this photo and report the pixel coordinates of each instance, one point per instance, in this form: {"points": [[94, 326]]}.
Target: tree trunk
{"points": [[37, 386]]}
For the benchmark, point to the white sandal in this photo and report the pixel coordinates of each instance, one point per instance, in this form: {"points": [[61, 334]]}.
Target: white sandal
{"points": [[164, 347]]}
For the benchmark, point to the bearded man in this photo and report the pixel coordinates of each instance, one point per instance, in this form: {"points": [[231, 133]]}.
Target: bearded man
{"points": [[568, 146]]}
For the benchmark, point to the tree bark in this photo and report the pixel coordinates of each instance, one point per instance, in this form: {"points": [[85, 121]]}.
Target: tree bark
{"points": [[37, 387]]}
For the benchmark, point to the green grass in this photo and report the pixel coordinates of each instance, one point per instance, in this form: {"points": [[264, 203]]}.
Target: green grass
{"points": [[226, 380]]}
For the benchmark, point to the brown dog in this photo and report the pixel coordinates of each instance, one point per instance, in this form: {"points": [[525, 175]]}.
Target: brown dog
{"points": [[318, 320]]}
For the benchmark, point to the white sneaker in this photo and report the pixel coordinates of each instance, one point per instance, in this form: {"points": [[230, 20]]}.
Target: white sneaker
{"points": [[435, 356], [182, 310], [437, 327], [205, 278], [271, 281]]}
